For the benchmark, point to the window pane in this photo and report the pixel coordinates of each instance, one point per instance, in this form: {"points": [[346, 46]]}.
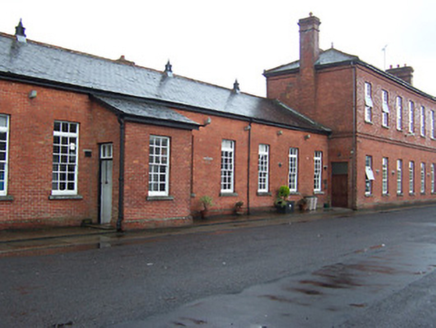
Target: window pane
{"points": [[65, 137], [158, 165], [227, 158], [3, 121]]}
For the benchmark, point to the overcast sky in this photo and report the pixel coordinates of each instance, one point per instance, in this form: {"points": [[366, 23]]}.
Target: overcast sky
{"points": [[217, 41]]}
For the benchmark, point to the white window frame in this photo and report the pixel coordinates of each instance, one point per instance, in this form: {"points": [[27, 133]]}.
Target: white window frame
{"points": [[432, 178], [422, 178], [399, 105], [368, 103], [293, 169], [317, 168], [411, 117], [227, 166], [4, 154], [385, 176], [65, 158], [411, 177], [399, 177], [422, 121], [106, 151], [159, 165], [385, 108], [369, 175], [432, 124], [263, 168]]}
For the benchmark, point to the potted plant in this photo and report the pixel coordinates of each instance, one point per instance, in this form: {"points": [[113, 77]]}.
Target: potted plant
{"points": [[206, 201], [238, 208], [302, 204], [282, 204]]}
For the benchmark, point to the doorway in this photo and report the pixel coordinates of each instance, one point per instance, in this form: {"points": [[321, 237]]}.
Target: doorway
{"points": [[340, 184], [106, 164]]}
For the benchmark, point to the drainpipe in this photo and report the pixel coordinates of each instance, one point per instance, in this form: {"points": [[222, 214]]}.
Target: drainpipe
{"points": [[121, 175], [354, 146], [248, 168]]}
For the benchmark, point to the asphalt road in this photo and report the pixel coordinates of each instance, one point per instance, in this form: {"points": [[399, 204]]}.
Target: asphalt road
{"points": [[363, 270]]}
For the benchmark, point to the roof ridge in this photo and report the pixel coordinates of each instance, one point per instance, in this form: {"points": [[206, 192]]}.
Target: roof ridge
{"points": [[121, 62], [77, 52]]}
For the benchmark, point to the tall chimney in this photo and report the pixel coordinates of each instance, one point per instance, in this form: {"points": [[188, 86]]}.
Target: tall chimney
{"points": [[309, 41], [405, 73], [309, 54]]}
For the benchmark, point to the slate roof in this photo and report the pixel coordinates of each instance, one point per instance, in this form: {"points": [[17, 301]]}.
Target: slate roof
{"points": [[143, 109], [45, 63], [335, 57], [327, 57]]}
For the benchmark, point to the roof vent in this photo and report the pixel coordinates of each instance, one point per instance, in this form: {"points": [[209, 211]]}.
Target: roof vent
{"points": [[20, 32], [236, 87], [169, 69]]}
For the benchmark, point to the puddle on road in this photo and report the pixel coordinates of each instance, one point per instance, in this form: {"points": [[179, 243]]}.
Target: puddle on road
{"points": [[68, 245], [364, 276], [324, 297]]}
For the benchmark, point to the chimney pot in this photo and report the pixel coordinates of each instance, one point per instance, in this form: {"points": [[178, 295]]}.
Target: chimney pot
{"points": [[405, 73]]}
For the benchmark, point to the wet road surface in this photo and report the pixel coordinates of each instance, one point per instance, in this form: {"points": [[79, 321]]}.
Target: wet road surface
{"points": [[369, 270], [330, 296]]}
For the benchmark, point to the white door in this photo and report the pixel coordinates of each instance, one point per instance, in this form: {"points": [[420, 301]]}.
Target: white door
{"points": [[105, 183]]}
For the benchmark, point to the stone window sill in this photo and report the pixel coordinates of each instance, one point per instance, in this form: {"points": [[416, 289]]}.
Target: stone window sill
{"points": [[263, 193], [6, 198], [65, 197], [228, 194], [159, 198]]}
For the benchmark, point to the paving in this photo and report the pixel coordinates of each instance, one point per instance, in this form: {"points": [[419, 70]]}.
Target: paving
{"points": [[55, 239]]}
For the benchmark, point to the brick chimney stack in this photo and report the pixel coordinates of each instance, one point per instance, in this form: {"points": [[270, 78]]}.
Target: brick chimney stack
{"points": [[405, 73], [309, 54], [309, 41]]}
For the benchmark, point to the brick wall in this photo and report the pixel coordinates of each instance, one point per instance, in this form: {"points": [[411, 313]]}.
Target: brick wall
{"points": [[30, 155], [141, 211], [207, 163], [334, 109], [378, 141]]}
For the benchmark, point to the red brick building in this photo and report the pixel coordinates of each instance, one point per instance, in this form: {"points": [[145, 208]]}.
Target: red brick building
{"points": [[106, 141], [382, 151]]}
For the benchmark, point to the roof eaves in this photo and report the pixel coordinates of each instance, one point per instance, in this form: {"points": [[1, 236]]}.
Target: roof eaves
{"points": [[280, 69], [143, 119], [396, 79]]}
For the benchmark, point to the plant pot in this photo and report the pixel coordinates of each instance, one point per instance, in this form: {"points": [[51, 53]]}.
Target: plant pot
{"points": [[288, 208], [204, 214]]}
